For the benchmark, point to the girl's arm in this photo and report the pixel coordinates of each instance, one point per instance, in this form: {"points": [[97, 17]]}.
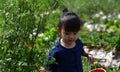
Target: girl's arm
{"points": [[89, 56]]}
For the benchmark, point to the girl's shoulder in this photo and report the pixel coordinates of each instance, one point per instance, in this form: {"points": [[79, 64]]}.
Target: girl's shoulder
{"points": [[55, 46], [78, 41]]}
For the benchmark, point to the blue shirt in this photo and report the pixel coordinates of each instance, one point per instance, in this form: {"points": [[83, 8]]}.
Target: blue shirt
{"points": [[67, 60]]}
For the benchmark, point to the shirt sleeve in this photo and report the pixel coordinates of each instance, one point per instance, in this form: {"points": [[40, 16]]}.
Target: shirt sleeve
{"points": [[80, 44], [82, 48], [51, 59], [51, 63]]}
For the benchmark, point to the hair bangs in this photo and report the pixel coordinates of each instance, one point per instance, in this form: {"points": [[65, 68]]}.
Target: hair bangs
{"points": [[72, 24]]}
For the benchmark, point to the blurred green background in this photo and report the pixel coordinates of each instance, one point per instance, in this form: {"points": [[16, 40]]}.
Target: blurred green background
{"points": [[28, 28]]}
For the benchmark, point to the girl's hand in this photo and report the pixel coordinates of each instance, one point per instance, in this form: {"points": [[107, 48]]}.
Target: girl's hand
{"points": [[90, 58], [42, 69]]}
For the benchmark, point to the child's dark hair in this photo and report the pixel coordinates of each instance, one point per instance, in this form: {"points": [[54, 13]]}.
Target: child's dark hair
{"points": [[69, 21]]}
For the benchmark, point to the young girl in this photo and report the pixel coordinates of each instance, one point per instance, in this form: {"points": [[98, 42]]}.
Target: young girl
{"points": [[69, 49]]}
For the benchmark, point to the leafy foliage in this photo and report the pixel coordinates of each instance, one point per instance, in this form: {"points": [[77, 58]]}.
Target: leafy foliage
{"points": [[22, 22], [86, 8]]}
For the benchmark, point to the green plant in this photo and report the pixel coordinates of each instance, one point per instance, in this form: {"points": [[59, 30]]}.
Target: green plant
{"points": [[86, 8], [21, 23]]}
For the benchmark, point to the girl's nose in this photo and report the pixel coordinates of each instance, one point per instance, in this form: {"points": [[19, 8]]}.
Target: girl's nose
{"points": [[71, 36]]}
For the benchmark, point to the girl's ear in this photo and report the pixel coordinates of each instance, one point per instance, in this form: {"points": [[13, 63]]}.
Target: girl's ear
{"points": [[59, 31]]}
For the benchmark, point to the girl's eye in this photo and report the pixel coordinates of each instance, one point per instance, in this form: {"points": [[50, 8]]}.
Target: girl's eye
{"points": [[67, 33], [75, 33]]}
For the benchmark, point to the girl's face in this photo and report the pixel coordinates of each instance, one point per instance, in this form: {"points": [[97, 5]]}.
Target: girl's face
{"points": [[68, 37]]}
